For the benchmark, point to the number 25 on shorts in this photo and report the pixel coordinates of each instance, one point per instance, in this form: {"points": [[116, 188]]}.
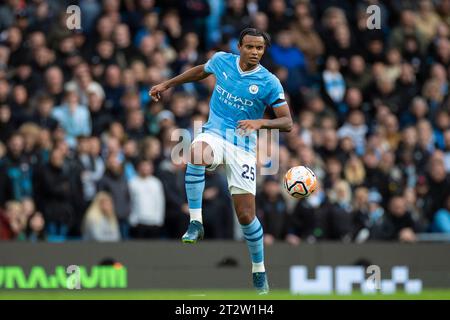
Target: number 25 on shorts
{"points": [[247, 168]]}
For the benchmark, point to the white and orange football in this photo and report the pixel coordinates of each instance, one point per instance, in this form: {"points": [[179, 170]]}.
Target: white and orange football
{"points": [[300, 182]]}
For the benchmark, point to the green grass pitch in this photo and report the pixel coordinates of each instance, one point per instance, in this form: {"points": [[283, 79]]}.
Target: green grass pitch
{"points": [[86, 294]]}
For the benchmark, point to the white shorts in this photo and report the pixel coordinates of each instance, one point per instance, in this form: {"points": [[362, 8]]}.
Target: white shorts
{"points": [[240, 165]]}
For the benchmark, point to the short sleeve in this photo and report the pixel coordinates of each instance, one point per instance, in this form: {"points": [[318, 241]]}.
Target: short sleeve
{"points": [[212, 65], [276, 96]]}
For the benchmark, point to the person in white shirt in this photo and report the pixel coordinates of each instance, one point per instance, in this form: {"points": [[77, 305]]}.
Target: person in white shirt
{"points": [[147, 203]]}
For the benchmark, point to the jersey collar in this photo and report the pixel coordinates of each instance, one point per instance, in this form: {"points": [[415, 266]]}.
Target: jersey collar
{"points": [[246, 73]]}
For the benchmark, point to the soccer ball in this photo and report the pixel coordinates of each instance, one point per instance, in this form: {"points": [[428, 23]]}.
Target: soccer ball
{"points": [[300, 182]]}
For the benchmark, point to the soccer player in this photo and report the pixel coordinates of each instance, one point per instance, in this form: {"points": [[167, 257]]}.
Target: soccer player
{"points": [[243, 90]]}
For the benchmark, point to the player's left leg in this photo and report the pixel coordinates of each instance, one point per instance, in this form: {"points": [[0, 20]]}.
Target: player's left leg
{"points": [[241, 175], [244, 204]]}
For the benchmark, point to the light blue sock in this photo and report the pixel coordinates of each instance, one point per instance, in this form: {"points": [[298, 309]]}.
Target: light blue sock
{"points": [[195, 184], [253, 234]]}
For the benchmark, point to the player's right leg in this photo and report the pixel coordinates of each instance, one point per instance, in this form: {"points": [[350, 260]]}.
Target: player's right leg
{"points": [[200, 157]]}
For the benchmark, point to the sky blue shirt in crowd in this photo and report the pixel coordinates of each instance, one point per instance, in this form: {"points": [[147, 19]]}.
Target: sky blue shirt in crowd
{"points": [[239, 95], [77, 123]]}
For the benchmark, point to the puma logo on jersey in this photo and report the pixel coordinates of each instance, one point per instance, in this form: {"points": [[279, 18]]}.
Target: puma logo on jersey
{"points": [[225, 75]]}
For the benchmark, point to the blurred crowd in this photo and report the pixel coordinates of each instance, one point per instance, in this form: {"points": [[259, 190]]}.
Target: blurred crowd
{"points": [[86, 154]]}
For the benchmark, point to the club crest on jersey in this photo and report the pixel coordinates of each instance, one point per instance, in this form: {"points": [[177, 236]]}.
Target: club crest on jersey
{"points": [[253, 89]]}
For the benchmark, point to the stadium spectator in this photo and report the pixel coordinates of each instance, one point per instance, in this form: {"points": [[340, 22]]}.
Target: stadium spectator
{"points": [[308, 218], [333, 81], [54, 84], [7, 127], [358, 74], [17, 170], [439, 182], [398, 223], [441, 220], [333, 170], [306, 38], [427, 19], [354, 171], [360, 214], [91, 166], [125, 51], [100, 221], [100, 117], [177, 213], [332, 17], [73, 117], [12, 222], [147, 213], [42, 116], [114, 182], [273, 212], [235, 18], [412, 205], [56, 193], [217, 212], [356, 129], [368, 214], [280, 16], [284, 53], [407, 27], [36, 228], [113, 88], [338, 214]]}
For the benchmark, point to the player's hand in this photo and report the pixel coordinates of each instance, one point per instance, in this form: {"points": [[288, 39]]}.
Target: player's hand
{"points": [[247, 126], [155, 92]]}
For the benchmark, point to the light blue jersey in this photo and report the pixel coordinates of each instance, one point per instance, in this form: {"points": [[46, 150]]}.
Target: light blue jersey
{"points": [[239, 95]]}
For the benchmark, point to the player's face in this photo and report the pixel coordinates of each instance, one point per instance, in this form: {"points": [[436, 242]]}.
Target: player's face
{"points": [[252, 49]]}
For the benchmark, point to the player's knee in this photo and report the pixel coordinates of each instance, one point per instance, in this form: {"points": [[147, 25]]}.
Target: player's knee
{"points": [[245, 213], [201, 154]]}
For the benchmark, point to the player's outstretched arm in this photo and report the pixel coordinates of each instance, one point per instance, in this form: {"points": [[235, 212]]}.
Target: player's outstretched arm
{"points": [[283, 121], [194, 74]]}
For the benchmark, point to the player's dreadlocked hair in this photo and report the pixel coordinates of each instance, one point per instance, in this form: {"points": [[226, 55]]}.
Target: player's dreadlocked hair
{"points": [[254, 32]]}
